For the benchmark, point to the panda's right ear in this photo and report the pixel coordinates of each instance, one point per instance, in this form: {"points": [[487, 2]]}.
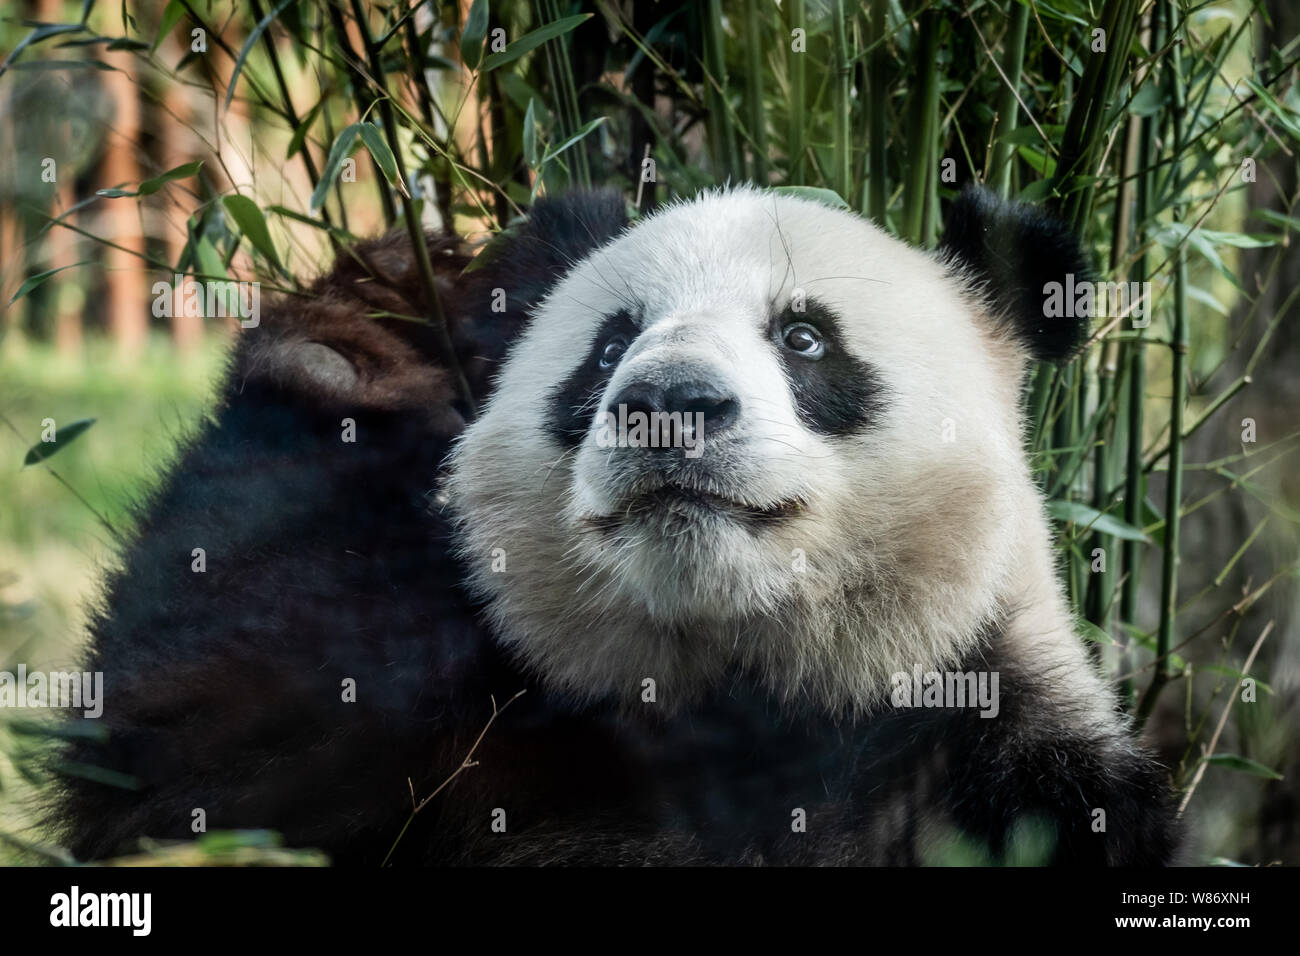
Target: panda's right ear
{"points": [[1010, 251]]}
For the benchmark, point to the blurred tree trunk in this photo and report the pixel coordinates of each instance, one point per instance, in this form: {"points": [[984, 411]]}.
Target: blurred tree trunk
{"points": [[62, 243], [177, 149], [125, 278]]}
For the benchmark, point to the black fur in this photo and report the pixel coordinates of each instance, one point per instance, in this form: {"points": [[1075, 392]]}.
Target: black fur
{"points": [[836, 394], [1013, 250], [573, 402], [327, 561]]}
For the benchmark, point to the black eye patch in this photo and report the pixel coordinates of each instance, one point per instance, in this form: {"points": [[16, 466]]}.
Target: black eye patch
{"points": [[838, 393], [573, 402]]}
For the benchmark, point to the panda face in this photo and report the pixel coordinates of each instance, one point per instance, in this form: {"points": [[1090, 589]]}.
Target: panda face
{"points": [[828, 432]]}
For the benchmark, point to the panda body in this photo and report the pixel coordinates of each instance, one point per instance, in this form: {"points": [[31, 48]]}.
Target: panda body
{"points": [[709, 647]]}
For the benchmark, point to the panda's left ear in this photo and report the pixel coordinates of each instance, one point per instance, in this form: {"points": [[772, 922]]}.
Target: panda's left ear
{"points": [[1013, 251]]}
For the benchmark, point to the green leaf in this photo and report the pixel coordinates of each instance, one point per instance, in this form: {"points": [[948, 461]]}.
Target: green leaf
{"points": [[532, 40], [471, 36], [253, 224], [63, 435], [1148, 101], [185, 171], [254, 35], [1092, 632], [579, 135], [827, 197], [209, 260], [172, 15], [151, 186], [300, 134], [31, 282], [1081, 514], [43, 32], [1203, 297], [333, 163], [530, 136], [1285, 116], [67, 65], [1243, 765], [383, 156]]}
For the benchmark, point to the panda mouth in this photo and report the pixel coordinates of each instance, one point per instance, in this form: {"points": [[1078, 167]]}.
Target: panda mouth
{"points": [[674, 500]]}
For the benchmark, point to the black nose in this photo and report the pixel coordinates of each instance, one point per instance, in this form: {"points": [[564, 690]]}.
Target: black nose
{"points": [[719, 408]]}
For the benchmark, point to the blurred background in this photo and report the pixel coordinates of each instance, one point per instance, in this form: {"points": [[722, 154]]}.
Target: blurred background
{"points": [[150, 145]]}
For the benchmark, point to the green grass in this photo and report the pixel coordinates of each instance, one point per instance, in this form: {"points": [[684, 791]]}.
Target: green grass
{"points": [[53, 548]]}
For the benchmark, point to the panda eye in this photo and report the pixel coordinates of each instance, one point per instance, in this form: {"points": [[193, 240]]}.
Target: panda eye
{"points": [[613, 351], [803, 338]]}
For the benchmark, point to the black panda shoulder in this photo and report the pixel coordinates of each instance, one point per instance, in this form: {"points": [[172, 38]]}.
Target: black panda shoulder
{"points": [[1012, 251]]}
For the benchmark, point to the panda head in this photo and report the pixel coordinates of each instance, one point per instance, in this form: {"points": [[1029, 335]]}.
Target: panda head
{"points": [[829, 486]]}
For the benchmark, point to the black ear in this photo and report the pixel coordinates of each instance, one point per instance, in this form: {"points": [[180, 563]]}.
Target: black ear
{"points": [[515, 271], [1013, 250], [528, 258]]}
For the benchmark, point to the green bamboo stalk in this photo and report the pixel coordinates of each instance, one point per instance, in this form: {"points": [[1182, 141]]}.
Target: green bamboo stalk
{"points": [[1177, 402], [842, 105], [1084, 138], [924, 134], [721, 128], [568, 90], [754, 90], [1013, 58], [1101, 590], [1135, 480], [798, 20], [877, 186]]}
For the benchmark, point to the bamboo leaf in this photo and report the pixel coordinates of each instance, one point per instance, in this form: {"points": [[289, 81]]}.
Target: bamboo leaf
{"points": [[530, 136], [1243, 765], [254, 35], [1090, 518], [576, 137], [383, 156], [171, 15], [64, 435], [151, 186], [31, 282], [253, 225], [532, 40], [472, 34], [333, 163], [827, 197], [42, 32]]}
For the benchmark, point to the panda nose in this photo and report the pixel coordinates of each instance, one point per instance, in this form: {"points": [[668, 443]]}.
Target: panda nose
{"points": [[719, 408]]}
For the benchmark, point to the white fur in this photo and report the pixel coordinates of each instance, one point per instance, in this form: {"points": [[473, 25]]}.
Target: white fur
{"points": [[912, 544]]}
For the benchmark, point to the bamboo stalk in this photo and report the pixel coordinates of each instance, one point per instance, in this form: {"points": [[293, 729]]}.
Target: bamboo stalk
{"points": [[754, 90], [721, 129], [1013, 58], [877, 186], [798, 20], [1135, 480], [1174, 484], [923, 135], [842, 104]]}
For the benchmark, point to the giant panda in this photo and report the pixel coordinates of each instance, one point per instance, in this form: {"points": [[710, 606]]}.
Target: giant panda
{"points": [[595, 647]]}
